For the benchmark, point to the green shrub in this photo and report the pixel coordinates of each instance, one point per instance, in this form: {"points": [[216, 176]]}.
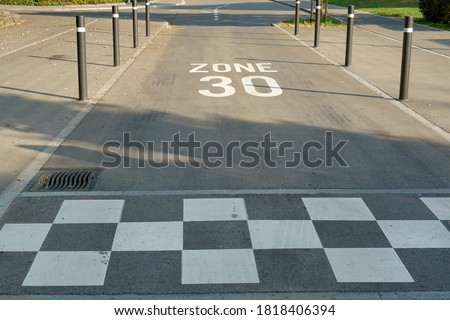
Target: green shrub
{"points": [[435, 10]]}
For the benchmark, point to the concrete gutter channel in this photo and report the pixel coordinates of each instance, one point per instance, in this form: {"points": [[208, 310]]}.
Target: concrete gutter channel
{"points": [[39, 84]]}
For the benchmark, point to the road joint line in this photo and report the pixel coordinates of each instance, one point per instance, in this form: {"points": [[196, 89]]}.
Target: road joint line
{"points": [[307, 192]]}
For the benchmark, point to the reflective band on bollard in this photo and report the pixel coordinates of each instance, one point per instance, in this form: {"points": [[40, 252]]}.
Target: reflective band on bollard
{"points": [[317, 25], [135, 25], [115, 26], [406, 58], [349, 42], [81, 54]]}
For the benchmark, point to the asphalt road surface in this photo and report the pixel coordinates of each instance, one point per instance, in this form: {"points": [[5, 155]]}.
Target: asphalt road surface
{"points": [[234, 159]]}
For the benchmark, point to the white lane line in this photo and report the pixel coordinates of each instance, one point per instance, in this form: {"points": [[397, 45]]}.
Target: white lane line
{"points": [[43, 40], [387, 37], [435, 128], [216, 11], [398, 41], [393, 39], [16, 187], [232, 192]]}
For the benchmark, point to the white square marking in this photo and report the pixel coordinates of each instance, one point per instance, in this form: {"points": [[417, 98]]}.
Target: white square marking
{"points": [[90, 211], [416, 233], [439, 206], [67, 268], [148, 236], [283, 234], [214, 209], [344, 209], [367, 265], [218, 266], [23, 236]]}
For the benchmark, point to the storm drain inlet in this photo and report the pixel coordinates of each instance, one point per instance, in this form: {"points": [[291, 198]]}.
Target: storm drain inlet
{"points": [[65, 180]]}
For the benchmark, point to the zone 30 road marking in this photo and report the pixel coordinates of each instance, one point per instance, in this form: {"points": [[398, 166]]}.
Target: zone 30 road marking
{"points": [[225, 83]]}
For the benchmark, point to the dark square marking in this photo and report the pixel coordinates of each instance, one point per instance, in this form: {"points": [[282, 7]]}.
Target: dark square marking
{"points": [[153, 208], [143, 272], [446, 224], [216, 235], [80, 237], [275, 207], [294, 270], [398, 207], [33, 210], [14, 267], [430, 268], [351, 234]]}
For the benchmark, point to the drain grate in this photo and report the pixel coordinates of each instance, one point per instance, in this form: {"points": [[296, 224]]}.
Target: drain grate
{"points": [[65, 180]]}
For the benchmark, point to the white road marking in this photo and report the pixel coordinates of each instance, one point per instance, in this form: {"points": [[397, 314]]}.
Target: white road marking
{"points": [[216, 11], [43, 40]]}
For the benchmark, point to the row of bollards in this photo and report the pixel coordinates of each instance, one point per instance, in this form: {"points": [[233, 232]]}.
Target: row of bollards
{"points": [[407, 41], [81, 42]]}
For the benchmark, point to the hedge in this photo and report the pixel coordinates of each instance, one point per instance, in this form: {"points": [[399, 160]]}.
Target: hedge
{"points": [[435, 10]]}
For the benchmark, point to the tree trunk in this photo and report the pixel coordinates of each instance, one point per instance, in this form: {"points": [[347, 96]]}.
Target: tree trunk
{"points": [[326, 11]]}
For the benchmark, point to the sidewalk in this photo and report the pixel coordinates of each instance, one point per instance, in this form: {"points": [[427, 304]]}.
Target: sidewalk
{"points": [[38, 77], [377, 50]]}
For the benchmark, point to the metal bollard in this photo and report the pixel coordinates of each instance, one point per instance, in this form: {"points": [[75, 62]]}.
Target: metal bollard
{"points": [[81, 53], [135, 25], [317, 24], [147, 19], [115, 26], [406, 57], [297, 16], [349, 43]]}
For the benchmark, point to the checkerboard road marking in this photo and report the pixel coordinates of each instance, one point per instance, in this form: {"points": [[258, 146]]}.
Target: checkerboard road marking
{"points": [[65, 268], [337, 209], [367, 265], [90, 211], [218, 266], [148, 236], [439, 206], [226, 265], [416, 233], [283, 234], [214, 209], [23, 236]]}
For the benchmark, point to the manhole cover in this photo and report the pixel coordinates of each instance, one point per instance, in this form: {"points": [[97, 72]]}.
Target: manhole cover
{"points": [[65, 180]]}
